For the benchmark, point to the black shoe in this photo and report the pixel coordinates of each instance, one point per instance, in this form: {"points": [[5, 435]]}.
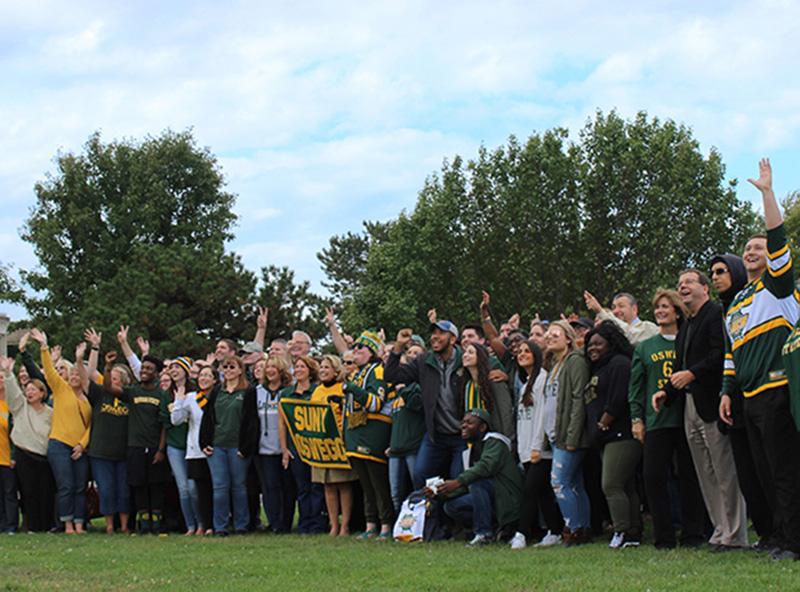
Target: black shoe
{"points": [[763, 546], [783, 555], [143, 524], [723, 548]]}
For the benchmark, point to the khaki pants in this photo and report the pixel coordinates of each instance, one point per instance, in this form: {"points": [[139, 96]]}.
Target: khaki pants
{"points": [[713, 460]]}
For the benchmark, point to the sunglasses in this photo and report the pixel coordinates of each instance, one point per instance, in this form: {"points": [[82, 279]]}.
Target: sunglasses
{"points": [[348, 362], [718, 271], [360, 346], [230, 367]]}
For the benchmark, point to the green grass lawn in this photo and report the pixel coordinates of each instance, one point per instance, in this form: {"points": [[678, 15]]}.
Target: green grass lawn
{"points": [[291, 562]]}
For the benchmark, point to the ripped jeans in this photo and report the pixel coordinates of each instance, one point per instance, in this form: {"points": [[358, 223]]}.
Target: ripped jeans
{"points": [[566, 478]]}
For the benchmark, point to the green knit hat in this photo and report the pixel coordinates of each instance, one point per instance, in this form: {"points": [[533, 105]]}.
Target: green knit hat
{"points": [[371, 340], [481, 414]]}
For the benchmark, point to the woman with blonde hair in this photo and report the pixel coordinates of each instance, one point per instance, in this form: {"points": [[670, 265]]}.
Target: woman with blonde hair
{"points": [[567, 378], [219, 440], [338, 489], [259, 438], [69, 436]]}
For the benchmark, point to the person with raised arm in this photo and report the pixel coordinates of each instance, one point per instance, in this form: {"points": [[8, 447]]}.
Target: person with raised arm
{"points": [[177, 434], [32, 422], [188, 408], [69, 437], [760, 323], [108, 445], [147, 446]]}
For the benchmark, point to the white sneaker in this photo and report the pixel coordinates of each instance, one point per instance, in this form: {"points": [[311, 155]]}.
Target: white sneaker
{"points": [[518, 541], [549, 540], [617, 540], [479, 540]]}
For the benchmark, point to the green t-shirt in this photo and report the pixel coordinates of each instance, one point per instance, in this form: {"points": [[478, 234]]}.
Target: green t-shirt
{"points": [[144, 418], [109, 438], [228, 411], [176, 434], [651, 367]]}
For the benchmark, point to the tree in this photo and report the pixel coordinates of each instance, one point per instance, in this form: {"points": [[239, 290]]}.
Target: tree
{"points": [[9, 290], [134, 232], [292, 306], [624, 207]]}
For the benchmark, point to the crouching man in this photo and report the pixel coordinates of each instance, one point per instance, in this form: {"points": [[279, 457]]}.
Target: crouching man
{"points": [[487, 493]]}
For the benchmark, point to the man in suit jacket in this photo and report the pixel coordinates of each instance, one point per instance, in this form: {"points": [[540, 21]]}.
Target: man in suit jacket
{"points": [[697, 372]]}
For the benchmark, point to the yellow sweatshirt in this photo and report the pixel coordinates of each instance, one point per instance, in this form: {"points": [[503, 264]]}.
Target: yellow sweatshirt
{"points": [[72, 417]]}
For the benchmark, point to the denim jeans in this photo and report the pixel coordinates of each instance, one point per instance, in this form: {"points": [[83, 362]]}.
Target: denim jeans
{"points": [[401, 478], [310, 498], [441, 458], [229, 479], [567, 480], [187, 491], [476, 508], [112, 485], [71, 476], [278, 491]]}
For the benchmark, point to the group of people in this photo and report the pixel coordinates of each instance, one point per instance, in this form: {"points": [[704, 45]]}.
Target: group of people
{"points": [[553, 435]]}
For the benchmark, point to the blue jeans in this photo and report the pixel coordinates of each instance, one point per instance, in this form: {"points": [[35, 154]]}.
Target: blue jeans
{"points": [[112, 485], [567, 481], [71, 476], [476, 508], [310, 498], [278, 491], [401, 478], [229, 479], [187, 490], [441, 458]]}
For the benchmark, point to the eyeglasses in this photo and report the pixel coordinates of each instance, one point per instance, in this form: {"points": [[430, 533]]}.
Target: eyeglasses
{"points": [[348, 362], [718, 271]]}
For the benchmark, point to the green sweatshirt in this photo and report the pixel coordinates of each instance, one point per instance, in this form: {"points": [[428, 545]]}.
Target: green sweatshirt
{"points": [[228, 411], [492, 458], [109, 439], [408, 421], [651, 367]]}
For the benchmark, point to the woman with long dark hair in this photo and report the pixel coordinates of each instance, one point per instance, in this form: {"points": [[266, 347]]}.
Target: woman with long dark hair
{"points": [[188, 408], [534, 419], [481, 393]]}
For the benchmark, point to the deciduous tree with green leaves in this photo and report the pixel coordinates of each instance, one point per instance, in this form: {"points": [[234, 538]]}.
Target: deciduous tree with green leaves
{"points": [[134, 231], [625, 206]]}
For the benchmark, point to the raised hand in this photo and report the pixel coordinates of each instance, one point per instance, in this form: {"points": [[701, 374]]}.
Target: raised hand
{"points": [[764, 181], [514, 321], [592, 303], [111, 357], [23, 341], [263, 316], [330, 319], [55, 353], [143, 344], [485, 300], [432, 315], [403, 339], [93, 337], [122, 334], [6, 365], [80, 350], [39, 336]]}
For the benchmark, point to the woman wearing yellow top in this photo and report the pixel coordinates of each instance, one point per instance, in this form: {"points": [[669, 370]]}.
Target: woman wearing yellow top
{"points": [[69, 437], [338, 491]]}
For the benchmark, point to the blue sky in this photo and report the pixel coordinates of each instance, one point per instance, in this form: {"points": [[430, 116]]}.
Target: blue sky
{"points": [[323, 114]]}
